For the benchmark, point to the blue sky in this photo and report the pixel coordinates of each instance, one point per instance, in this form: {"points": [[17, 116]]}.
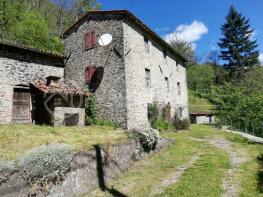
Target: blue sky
{"points": [[198, 21]]}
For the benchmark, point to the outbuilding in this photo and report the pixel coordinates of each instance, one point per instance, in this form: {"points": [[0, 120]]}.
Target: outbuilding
{"points": [[202, 118]]}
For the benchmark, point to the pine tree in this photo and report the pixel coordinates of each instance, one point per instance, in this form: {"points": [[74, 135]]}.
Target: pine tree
{"points": [[238, 50]]}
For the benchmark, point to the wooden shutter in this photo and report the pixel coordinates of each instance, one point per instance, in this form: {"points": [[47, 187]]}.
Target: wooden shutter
{"points": [[90, 70], [90, 40]]}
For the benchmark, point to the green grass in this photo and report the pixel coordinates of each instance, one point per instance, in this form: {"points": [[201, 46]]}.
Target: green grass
{"points": [[17, 139], [204, 178], [145, 174], [251, 172], [197, 104]]}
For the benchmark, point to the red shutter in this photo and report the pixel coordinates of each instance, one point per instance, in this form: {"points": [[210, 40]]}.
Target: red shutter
{"points": [[87, 40], [90, 40], [90, 70]]}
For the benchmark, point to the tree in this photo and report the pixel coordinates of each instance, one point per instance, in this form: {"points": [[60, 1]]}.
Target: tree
{"points": [[39, 23], [201, 78], [66, 14], [238, 50], [183, 48], [253, 80], [213, 58], [10, 11], [32, 30], [81, 7], [220, 73]]}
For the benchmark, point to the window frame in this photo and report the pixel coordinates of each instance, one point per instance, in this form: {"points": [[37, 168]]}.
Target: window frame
{"points": [[179, 92], [167, 84], [177, 65], [148, 80], [57, 101], [146, 44]]}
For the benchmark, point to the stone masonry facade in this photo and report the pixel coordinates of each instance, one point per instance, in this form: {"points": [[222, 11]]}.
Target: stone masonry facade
{"points": [[161, 69], [18, 68], [122, 95], [111, 94], [137, 68]]}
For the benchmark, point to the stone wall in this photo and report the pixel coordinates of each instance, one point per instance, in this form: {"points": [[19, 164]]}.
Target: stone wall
{"points": [[111, 92], [20, 71], [138, 95], [122, 96], [205, 119], [87, 171], [59, 115]]}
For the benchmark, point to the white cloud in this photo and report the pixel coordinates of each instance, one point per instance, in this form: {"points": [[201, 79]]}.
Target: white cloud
{"points": [[261, 58], [189, 32], [193, 46]]}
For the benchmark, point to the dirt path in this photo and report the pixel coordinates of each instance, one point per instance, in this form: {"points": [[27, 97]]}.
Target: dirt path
{"points": [[174, 176], [230, 183], [237, 157]]}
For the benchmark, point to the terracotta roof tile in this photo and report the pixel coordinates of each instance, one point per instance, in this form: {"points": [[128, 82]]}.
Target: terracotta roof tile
{"points": [[58, 89]]}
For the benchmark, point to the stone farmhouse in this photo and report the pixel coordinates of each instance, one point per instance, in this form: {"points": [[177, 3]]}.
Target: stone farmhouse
{"points": [[134, 68]]}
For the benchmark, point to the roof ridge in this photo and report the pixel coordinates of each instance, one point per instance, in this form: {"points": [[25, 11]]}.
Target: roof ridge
{"points": [[131, 17], [27, 47]]}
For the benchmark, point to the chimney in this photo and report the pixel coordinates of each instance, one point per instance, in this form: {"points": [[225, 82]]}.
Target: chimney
{"points": [[53, 81]]}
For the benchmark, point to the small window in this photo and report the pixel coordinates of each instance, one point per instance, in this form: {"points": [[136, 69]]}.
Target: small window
{"points": [[146, 45], [147, 78], [90, 40], [178, 89], [57, 101], [165, 56], [177, 65], [167, 83]]}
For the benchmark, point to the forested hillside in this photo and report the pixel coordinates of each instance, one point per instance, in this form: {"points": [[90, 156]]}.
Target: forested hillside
{"points": [[232, 78], [39, 23]]}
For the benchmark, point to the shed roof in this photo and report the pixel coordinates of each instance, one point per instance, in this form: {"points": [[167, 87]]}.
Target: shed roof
{"points": [[5, 43], [130, 17], [202, 114], [58, 89]]}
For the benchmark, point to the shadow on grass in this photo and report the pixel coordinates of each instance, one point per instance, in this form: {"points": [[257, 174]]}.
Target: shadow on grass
{"points": [[260, 174], [100, 173]]}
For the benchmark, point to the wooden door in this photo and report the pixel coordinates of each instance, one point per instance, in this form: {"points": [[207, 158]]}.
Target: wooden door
{"points": [[21, 107]]}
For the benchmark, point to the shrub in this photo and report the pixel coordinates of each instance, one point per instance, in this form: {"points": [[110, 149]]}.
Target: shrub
{"points": [[166, 112], [148, 138], [46, 162], [163, 125], [182, 124], [91, 110], [6, 169], [153, 113]]}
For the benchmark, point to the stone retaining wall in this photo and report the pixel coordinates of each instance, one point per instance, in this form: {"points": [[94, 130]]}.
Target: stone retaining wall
{"points": [[89, 170]]}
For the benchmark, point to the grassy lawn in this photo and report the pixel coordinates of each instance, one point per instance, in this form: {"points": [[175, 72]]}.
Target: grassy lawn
{"points": [[197, 104], [204, 178], [17, 139]]}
